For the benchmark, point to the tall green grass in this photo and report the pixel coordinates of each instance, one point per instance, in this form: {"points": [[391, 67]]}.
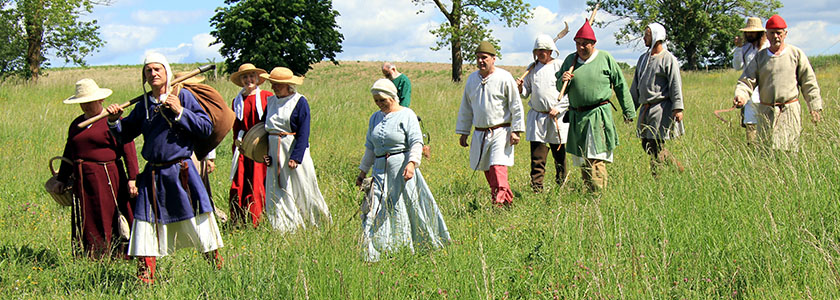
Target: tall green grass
{"points": [[738, 223]]}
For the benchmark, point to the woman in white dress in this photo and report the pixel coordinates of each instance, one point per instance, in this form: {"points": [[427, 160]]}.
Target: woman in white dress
{"points": [[402, 211], [293, 199]]}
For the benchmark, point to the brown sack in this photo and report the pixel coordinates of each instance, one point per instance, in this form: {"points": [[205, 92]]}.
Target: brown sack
{"points": [[220, 114]]}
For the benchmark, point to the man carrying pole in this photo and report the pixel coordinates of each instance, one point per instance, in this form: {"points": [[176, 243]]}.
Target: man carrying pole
{"points": [[592, 135], [657, 92], [544, 118], [780, 72]]}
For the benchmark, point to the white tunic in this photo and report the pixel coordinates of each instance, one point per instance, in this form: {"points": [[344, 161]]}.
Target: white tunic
{"points": [[489, 102], [743, 56], [293, 198], [541, 86]]}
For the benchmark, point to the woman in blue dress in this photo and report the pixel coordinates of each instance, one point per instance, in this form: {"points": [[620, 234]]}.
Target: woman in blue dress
{"points": [[401, 211]]}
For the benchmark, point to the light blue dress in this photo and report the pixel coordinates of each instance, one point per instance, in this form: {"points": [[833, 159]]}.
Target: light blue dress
{"points": [[400, 213]]}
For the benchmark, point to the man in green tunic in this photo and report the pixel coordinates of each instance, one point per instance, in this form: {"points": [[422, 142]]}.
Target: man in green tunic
{"points": [[389, 70], [592, 135]]}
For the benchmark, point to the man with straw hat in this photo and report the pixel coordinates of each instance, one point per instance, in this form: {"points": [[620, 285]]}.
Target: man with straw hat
{"points": [[247, 188], [743, 55], [657, 92], [102, 186], [173, 209], [544, 123], [492, 105], [779, 72], [592, 134], [293, 198]]}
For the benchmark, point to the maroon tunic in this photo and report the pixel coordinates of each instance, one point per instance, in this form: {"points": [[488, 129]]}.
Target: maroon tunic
{"points": [[100, 177], [247, 189]]}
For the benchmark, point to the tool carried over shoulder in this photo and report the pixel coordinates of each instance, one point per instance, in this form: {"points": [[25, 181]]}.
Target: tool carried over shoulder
{"points": [[559, 36]]}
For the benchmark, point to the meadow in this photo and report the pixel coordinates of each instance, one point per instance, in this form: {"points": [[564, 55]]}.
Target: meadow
{"points": [[737, 223]]}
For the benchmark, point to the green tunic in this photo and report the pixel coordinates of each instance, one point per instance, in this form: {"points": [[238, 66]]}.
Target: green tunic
{"points": [[403, 89], [590, 86]]}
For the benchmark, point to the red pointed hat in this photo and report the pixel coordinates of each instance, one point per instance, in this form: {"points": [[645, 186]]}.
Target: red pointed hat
{"points": [[776, 22], [585, 32]]}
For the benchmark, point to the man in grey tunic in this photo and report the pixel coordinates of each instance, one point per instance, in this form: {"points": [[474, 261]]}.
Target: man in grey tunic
{"points": [[657, 92]]}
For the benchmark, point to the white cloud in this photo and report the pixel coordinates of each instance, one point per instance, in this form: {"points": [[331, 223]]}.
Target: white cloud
{"points": [[124, 38], [199, 50], [165, 17], [812, 37]]}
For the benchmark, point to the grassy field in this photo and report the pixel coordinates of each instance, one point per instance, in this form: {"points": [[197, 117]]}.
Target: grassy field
{"points": [[735, 224]]}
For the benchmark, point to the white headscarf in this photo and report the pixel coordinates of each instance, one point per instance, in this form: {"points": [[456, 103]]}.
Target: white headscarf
{"points": [[657, 33], [154, 57], [545, 42], [386, 87]]}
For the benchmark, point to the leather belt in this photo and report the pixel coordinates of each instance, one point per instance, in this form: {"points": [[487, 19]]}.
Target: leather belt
{"points": [[392, 153], [589, 107], [281, 134], [491, 128], [167, 163], [781, 104]]}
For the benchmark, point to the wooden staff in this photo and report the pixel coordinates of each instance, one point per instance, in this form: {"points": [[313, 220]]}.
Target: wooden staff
{"points": [[559, 36], [178, 80], [572, 68]]}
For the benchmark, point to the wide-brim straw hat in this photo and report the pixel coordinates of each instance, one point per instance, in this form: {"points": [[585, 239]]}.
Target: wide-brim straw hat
{"points": [[753, 24], [192, 80], [245, 68], [88, 91], [283, 75], [255, 142]]}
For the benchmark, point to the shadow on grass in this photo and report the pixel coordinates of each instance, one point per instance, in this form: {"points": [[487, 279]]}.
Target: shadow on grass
{"points": [[44, 258]]}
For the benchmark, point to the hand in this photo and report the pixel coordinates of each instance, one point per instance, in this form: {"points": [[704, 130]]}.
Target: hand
{"points": [[408, 173], [553, 113], [292, 164], [815, 116], [514, 138], [678, 115], [519, 83], [739, 101], [132, 188], [115, 111], [360, 178], [738, 41], [463, 140], [211, 165], [628, 121], [174, 103], [267, 160], [567, 76]]}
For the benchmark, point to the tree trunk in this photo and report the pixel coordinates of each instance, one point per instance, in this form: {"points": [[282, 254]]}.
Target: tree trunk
{"points": [[457, 60], [691, 57], [34, 37]]}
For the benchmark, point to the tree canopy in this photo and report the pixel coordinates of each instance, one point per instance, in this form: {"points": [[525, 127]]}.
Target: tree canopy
{"points": [[31, 29], [271, 33], [700, 32], [465, 27]]}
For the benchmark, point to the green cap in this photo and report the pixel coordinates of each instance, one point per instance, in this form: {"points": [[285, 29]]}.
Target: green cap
{"points": [[486, 47]]}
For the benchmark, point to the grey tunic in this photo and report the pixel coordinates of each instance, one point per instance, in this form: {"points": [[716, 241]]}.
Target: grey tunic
{"points": [[657, 91]]}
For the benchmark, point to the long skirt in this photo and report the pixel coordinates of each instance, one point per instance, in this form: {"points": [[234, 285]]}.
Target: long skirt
{"points": [[400, 214], [94, 217], [293, 199], [247, 190], [200, 232]]}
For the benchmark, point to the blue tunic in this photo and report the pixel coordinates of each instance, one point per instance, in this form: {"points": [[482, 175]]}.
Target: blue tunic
{"points": [[166, 142]]}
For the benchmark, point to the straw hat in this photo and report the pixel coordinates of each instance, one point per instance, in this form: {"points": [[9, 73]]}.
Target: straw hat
{"points": [[255, 142], [245, 68], [753, 24], [192, 80], [282, 75], [88, 91]]}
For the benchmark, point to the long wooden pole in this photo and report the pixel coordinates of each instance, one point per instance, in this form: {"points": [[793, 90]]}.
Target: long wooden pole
{"points": [[556, 38], [178, 80], [572, 68]]}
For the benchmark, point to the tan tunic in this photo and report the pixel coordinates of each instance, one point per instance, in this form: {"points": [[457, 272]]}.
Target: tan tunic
{"points": [[779, 79]]}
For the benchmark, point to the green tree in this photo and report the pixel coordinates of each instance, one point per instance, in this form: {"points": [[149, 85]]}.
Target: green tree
{"points": [[34, 28], [700, 31], [270, 33], [465, 27]]}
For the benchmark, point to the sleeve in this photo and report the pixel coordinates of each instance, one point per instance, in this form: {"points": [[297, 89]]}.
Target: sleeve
{"points": [[367, 160], [405, 91], [748, 81], [193, 119], [65, 169], [414, 139], [465, 113], [127, 129], [300, 126], [211, 154], [567, 64], [634, 87], [738, 58], [675, 84], [129, 153], [808, 82], [620, 88], [517, 119], [526, 82]]}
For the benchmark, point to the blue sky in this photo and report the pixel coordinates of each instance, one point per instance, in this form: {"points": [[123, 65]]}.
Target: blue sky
{"points": [[396, 32]]}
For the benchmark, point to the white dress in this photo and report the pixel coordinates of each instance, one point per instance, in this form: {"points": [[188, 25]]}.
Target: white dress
{"points": [[293, 199], [541, 86]]}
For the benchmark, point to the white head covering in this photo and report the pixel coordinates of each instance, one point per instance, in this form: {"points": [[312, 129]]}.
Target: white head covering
{"points": [[384, 86], [657, 33], [545, 42], [154, 57]]}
